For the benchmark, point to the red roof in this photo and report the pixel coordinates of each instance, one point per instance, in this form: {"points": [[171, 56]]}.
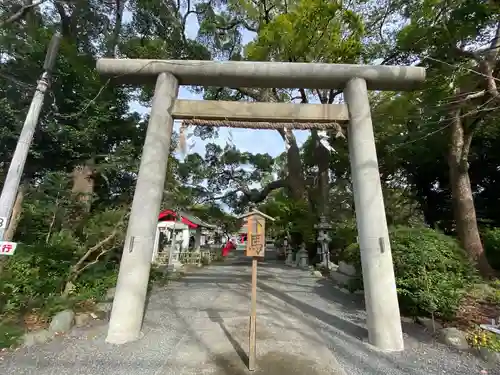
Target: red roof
{"points": [[169, 215], [189, 219]]}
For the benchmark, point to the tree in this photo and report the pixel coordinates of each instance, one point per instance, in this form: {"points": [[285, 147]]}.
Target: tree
{"points": [[228, 175], [448, 44], [297, 31]]}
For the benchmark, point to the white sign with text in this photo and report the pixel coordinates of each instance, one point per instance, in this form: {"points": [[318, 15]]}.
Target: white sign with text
{"points": [[7, 248]]}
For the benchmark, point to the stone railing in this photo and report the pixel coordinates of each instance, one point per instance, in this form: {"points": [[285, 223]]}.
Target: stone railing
{"points": [[204, 256], [162, 259], [190, 257]]}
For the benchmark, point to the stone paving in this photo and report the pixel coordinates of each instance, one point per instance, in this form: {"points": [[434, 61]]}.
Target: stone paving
{"points": [[199, 325]]}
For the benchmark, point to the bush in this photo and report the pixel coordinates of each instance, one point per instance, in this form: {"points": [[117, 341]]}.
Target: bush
{"points": [[432, 271], [491, 243], [36, 274], [10, 334], [343, 235]]}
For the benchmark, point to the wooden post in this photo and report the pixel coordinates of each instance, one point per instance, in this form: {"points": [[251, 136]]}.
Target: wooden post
{"points": [[256, 248], [253, 318]]}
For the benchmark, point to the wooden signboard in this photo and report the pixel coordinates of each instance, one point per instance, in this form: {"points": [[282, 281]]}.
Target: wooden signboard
{"points": [[256, 236]]}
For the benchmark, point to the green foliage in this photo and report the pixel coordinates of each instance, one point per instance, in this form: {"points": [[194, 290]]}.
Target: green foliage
{"points": [[432, 270], [10, 334], [312, 30], [486, 292], [292, 218], [343, 235], [491, 242], [34, 274]]}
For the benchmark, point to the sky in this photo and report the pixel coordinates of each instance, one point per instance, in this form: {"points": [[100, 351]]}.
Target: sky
{"points": [[246, 140]]}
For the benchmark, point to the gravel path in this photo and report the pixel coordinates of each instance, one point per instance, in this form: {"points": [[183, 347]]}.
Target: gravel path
{"points": [[199, 325]]}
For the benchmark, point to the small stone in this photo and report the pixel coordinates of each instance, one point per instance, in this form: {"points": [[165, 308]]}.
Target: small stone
{"points": [[427, 323], [110, 294], [62, 321], [93, 315], [82, 319], [317, 273], [104, 306], [101, 315], [454, 337], [407, 320], [38, 337], [346, 269], [489, 356]]}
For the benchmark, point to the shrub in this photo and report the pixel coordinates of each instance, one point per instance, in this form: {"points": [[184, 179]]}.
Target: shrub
{"points": [[343, 235], [432, 270], [34, 273], [491, 243], [10, 334]]}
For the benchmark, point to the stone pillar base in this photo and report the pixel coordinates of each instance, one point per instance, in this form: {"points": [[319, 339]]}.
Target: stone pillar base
{"points": [[303, 260]]}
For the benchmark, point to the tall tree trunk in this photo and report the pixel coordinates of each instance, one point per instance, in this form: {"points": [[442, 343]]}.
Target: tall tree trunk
{"points": [[83, 183], [295, 176], [322, 189], [115, 35], [464, 210], [294, 166]]}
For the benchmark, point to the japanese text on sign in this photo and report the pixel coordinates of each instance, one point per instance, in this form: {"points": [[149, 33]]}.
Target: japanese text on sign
{"points": [[256, 236], [7, 248], [257, 242]]}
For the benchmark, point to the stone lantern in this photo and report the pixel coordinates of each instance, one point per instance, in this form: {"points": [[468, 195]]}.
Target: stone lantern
{"points": [[288, 252], [324, 240]]}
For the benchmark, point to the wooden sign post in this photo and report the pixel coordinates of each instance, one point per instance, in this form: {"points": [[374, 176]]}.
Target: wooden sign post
{"points": [[256, 248]]}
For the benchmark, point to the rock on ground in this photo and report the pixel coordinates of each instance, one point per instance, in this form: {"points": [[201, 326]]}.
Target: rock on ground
{"points": [[347, 269], [429, 324], [62, 321], [317, 273], [454, 337], [37, 337], [82, 319], [104, 306], [110, 294]]}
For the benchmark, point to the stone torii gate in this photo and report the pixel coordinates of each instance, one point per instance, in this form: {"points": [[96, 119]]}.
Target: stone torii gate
{"points": [[383, 318]]}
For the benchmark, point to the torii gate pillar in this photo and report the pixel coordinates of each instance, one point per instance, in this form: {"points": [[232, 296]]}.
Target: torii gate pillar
{"points": [[381, 299], [131, 288]]}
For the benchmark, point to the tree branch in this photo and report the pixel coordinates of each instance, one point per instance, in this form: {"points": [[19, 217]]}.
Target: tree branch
{"points": [[78, 268], [21, 13], [254, 94], [220, 197], [256, 196]]}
